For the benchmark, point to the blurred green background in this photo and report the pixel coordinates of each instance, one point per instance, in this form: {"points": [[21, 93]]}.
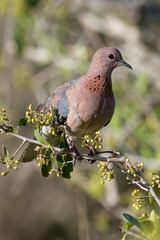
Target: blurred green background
{"points": [[44, 43]]}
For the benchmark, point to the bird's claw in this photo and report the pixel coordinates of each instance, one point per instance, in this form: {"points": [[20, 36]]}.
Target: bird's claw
{"points": [[93, 152], [76, 154]]}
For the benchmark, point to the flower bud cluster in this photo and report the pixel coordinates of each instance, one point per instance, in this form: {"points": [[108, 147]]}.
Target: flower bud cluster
{"points": [[5, 125], [3, 115], [155, 179], [94, 141], [138, 204], [43, 159], [11, 164], [44, 117], [132, 170], [105, 172]]}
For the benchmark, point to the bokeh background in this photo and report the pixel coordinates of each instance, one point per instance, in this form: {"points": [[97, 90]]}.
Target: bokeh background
{"points": [[44, 43]]}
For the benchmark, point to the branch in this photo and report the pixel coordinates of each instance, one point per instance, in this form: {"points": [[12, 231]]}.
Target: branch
{"points": [[66, 150], [143, 184], [149, 187], [116, 158]]}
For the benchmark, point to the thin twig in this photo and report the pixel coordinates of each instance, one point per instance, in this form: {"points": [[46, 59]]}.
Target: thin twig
{"points": [[18, 149], [140, 186], [144, 197], [113, 152], [134, 234], [150, 188]]}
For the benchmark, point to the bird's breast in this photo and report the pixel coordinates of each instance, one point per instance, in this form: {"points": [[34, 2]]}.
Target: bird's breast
{"points": [[89, 111]]}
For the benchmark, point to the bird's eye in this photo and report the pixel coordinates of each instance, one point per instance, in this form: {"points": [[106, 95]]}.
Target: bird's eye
{"points": [[111, 56]]}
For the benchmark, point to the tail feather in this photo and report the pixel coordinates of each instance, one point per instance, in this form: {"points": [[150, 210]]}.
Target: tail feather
{"points": [[29, 154]]}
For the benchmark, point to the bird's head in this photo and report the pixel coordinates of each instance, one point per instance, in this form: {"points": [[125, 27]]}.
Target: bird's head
{"points": [[108, 58]]}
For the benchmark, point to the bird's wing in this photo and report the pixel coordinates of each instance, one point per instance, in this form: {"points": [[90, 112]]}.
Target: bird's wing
{"points": [[58, 101], [107, 123]]}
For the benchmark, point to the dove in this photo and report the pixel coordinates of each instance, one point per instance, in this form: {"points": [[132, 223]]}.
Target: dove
{"points": [[85, 105]]}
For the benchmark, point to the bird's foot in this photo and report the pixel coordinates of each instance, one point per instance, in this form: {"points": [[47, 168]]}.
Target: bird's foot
{"points": [[76, 154], [93, 152]]}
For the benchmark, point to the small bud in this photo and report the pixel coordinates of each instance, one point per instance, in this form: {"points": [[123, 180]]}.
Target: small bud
{"points": [[53, 132], [37, 148], [8, 166], [103, 164], [15, 168], [39, 165], [30, 107], [3, 174], [16, 161], [32, 120], [102, 182]]}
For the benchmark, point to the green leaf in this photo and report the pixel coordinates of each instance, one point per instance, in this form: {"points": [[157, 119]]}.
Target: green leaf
{"points": [[22, 122], [147, 226], [63, 142], [152, 202], [46, 167], [5, 155], [39, 137], [153, 216], [66, 168], [132, 220], [127, 225]]}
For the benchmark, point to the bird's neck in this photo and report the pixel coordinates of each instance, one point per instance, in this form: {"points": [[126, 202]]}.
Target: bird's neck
{"points": [[98, 81], [100, 76]]}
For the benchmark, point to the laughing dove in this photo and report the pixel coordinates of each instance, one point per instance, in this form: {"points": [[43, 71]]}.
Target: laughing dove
{"points": [[86, 104]]}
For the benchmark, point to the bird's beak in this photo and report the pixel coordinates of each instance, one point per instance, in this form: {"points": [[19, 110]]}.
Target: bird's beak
{"points": [[123, 63]]}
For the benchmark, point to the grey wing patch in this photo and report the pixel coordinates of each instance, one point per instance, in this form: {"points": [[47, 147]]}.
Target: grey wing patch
{"points": [[58, 102], [62, 110]]}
